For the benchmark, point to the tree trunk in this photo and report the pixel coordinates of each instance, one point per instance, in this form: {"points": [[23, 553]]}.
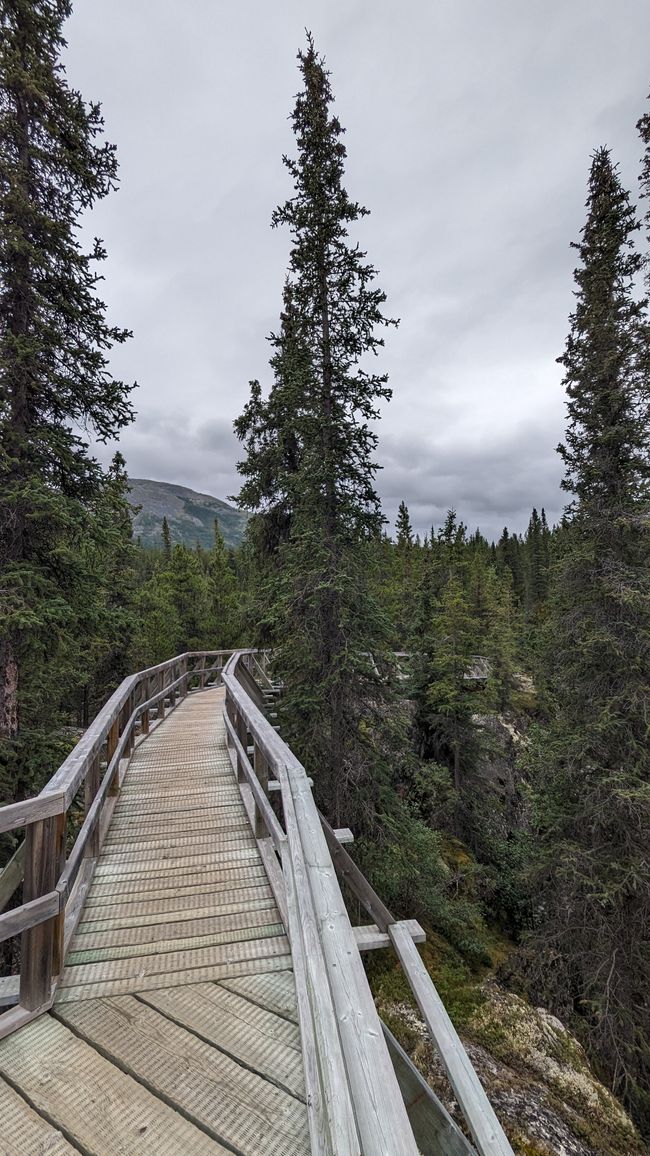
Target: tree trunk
{"points": [[8, 690]]}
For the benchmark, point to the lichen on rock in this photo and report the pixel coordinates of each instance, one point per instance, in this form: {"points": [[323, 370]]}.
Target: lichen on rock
{"points": [[536, 1075]]}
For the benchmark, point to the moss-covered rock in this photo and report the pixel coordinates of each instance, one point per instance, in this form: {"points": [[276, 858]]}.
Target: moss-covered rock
{"points": [[533, 1042], [536, 1074]]}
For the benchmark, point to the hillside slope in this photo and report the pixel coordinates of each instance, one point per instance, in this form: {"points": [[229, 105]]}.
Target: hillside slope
{"points": [[190, 515]]}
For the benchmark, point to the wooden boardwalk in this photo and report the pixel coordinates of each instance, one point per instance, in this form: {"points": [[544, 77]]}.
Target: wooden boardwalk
{"points": [[174, 1028], [191, 981]]}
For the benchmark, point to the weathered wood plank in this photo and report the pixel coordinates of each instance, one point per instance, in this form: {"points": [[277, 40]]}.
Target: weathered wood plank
{"points": [[274, 992], [175, 884], [42, 854], [92, 939], [190, 943], [101, 1108], [178, 846], [207, 836], [32, 810], [370, 938], [354, 878], [344, 835], [330, 1129], [123, 835], [229, 1102], [24, 1132], [157, 868], [434, 1130], [262, 1041], [12, 875], [177, 978], [381, 1116], [147, 966], [28, 915], [200, 904], [182, 818]]}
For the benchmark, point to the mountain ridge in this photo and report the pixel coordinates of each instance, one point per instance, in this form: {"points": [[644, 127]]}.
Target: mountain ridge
{"points": [[190, 515]]}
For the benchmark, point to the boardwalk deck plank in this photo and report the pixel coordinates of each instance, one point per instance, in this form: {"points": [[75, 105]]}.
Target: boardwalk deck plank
{"points": [[147, 1049], [102, 1109], [177, 978], [102, 917], [190, 943], [233, 1104], [265, 1042], [94, 939], [24, 1132], [276, 993]]}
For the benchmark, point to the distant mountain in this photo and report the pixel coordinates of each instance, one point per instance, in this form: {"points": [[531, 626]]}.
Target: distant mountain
{"points": [[190, 515]]}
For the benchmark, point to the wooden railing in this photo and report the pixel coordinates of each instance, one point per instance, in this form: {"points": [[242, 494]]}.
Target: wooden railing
{"points": [[354, 1099], [357, 1078], [55, 883]]}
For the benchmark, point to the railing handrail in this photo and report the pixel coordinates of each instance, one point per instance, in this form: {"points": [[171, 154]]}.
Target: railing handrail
{"points": [[371, 1084], [50, 878], [358, 1095]]}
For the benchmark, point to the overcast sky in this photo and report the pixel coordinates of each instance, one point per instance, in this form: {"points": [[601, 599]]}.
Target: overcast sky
{"points": [[469, 130]]}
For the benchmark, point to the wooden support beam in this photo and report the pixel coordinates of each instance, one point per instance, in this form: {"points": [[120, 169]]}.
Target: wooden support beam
{"points": [[486, 1130], [434, 1130], [12, 876], [274, 785], [28, 915], [37, 946], [371, 938], [91, 788], [344, 835]]}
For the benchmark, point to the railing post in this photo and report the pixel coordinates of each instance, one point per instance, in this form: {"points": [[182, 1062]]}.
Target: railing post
{"points": [[130, 707], [58, 923], [202, 673], [185, 671], [91, 787], [242, 734], [231, 715], [261, 768], [112, 739], [43, 841], [144, 717], [161, 701]]}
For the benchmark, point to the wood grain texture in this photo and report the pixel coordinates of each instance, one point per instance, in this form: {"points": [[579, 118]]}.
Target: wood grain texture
{"points": [[12, 875], [262, 1041], [273, 992], [102, 1109], [24, 1132], [228, 1101]]}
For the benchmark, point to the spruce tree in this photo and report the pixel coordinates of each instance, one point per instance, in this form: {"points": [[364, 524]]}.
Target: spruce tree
{"points": [[643, 127], [310, 471], [403, 528], [222, 593], [593, 880], [54, 375], [166, 542]]}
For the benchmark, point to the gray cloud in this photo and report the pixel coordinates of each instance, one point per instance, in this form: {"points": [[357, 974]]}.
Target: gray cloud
{"points": [[470, 127]]}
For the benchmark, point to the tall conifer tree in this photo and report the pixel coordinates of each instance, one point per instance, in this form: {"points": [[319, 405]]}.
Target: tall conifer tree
{"points": [[309, 464], [54, 343], [594, 878]]}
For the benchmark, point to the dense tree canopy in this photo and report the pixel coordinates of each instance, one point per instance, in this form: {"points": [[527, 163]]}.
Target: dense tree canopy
{"points": [[54, 375], [594, 791]]}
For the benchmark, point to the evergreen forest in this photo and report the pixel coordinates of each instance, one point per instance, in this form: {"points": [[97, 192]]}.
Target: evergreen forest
{"points": [[476, 711]]}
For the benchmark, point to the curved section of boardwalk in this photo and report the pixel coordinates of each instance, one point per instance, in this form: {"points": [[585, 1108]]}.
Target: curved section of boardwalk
{"points": [[174, 1029]]}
